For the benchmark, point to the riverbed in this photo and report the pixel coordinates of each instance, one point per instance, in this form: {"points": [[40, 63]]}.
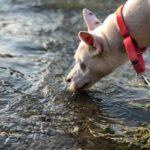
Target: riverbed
{"points": [[37, 43]]}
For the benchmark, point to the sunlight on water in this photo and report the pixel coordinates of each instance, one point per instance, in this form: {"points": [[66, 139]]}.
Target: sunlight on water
{"points": [[36, 111]]}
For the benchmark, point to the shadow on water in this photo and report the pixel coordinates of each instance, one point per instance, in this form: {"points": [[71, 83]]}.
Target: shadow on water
{"points": [[36, 111]]}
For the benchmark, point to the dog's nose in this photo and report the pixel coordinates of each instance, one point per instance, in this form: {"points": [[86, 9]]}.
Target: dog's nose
{"points": [[68, 79]]}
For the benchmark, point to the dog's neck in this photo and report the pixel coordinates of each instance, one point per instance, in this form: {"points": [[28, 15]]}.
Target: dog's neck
{"points": [[113, 40], [111, 31]]}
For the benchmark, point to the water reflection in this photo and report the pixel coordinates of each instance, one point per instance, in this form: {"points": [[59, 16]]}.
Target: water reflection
{"points": [[36, 111]]}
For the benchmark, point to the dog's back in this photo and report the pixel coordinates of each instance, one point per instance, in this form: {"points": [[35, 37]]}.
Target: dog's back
{"points": [[137, 18]]}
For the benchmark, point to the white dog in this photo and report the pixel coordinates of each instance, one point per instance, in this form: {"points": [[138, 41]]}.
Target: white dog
{"points": [[107, 50]]}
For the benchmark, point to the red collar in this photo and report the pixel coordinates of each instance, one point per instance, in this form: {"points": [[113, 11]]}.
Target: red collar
{"points": [[133, 51]]}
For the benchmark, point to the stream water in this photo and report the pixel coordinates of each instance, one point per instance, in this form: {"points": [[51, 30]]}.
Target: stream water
{"points": [[37, 43]]}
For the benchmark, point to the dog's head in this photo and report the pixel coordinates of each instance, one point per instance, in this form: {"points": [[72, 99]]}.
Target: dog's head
{"points": [[92, 56]]}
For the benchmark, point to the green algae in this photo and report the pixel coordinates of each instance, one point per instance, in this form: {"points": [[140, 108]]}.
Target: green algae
{"points": [[140, 137]]}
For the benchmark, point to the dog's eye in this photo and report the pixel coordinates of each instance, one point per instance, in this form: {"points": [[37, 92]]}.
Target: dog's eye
{"points": [[83, 66]]}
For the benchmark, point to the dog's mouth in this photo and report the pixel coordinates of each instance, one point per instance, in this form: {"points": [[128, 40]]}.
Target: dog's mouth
{"points": [[75, 87], [84, 87]]}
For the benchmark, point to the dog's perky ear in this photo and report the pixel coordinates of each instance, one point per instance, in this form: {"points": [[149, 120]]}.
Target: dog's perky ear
{"points": [[90, 19], [92, 40], [86, 37]]}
